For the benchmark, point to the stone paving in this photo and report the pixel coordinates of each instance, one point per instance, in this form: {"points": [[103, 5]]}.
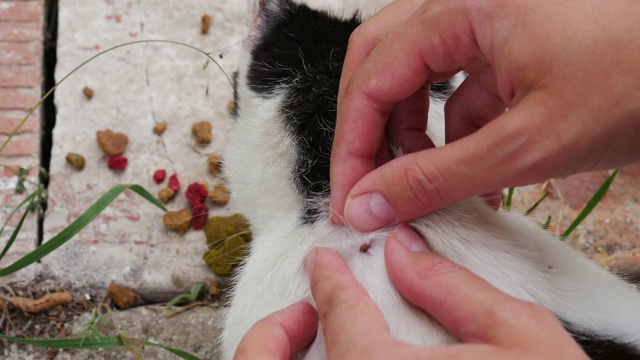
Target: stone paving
{"points": [[137, 86]]}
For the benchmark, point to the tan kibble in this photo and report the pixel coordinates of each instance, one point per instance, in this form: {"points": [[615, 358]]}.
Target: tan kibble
{"points": [[214, 162], [166, 194], [160, 128], [202, 131], [220, 194], [178, 221]]}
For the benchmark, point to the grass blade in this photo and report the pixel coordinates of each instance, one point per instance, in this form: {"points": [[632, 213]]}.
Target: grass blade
{"points": [[590, 205], [80, 223], [507, 204], [29, 199], [16, 231], [100, 342], [534, 206], [547, 223]]}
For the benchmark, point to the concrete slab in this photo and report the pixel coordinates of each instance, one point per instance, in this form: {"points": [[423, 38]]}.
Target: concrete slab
{"points": [[135, 87]]}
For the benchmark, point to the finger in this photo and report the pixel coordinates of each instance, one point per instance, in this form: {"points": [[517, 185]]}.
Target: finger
{"points": [[280, 335], [394, 71], [468, 306], [407, 124], [348, 316], [366, 37], [496, 156], [471, 106]]}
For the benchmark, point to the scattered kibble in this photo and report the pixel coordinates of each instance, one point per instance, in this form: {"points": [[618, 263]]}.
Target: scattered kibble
{"points": [[214, 162], [174, 183], [112, 143], [159, 176], [220, 194], [202, 132], [195, 194], [122, 297], [75, 160], [160, 128], [166, 194], [88, 93], [178, 221], [200, 216], [214, 290], [206, 24], [117, 163]]}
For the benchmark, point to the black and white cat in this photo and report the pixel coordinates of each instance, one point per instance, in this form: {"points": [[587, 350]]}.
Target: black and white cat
{"points": [[277, 164]]}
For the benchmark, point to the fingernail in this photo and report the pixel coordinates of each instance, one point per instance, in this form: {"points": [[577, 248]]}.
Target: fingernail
{"points": [[410, 239], [369, 212], [311, 260]]}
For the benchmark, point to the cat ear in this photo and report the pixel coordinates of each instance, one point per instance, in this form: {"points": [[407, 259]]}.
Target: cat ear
{"points": [[265, 14]]}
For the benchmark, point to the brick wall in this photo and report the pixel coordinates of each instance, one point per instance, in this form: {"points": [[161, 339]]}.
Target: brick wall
{"points": [[21, 39]]}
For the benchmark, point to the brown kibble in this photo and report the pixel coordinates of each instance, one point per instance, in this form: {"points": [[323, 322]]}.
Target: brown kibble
{"points": [[214, 290], [214, 162], [122, 296], [231, 107], [364, 247], [202, 131], [160, 128], [88, 93], [111, 143], [75, 160], [220, 194], [206, 24], [178, 221], [166, 194]]}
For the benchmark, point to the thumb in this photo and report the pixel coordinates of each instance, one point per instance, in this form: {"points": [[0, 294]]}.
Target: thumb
{"points": [[506, 152]]}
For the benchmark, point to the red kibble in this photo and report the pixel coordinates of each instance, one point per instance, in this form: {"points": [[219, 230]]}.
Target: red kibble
{"points": [[159, 175], [117, 163], [200, 215], [174, 184], [196, 193]]}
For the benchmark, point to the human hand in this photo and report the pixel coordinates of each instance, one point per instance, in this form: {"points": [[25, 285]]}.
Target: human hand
{"points": [[567, 71], [489, 323]]}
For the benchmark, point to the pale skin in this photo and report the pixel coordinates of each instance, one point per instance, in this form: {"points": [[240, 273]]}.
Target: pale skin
{"points": [[488, 323], [567, 70]]}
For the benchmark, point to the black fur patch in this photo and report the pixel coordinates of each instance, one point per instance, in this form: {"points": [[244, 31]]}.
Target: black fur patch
{"points": [[600, 348], [301, 53]]}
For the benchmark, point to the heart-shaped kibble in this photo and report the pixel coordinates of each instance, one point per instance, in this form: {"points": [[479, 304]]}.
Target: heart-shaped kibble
{"points": [[112, 143]]}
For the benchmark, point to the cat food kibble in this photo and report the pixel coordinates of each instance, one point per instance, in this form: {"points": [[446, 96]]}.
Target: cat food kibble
{"points": [[121, 296], [202, 132], [174, 183], [165, 195], [159, 176], [160, 128], [118, 163], [220, 194], [88, 93], [214, 162], [75, 160], [178, 221], [206, 24], [112, 143]]}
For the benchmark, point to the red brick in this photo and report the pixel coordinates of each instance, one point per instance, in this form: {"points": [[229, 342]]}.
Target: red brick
{"points": [[18, 98], [26, 146], [20, 32], [20, 11], [19, 76], [20, 53], [8, 124]]}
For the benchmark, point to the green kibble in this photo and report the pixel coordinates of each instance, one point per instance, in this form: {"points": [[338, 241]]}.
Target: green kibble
{"points": [[219, 228], [223, 259], [76, 160], [228, 239]]}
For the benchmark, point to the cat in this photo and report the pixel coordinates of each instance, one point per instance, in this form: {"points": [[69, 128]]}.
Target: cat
{"points": [[277, 166]]}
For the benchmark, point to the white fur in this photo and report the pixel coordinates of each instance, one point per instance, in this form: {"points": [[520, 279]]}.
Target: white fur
{"points": [[509, 251]]}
